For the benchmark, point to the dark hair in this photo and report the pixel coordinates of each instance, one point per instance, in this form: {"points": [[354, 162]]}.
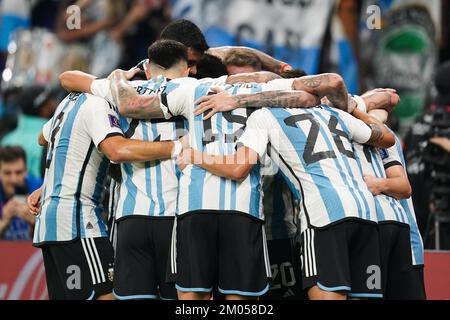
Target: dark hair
{"points": [[10, 154], [295, 73], [167, 53], [210, 67], [243, 59], [187, 33]]}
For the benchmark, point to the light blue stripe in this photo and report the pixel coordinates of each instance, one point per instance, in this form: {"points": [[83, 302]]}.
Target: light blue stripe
{"points": [[130, 199], [333, 289], [92, 296], [255, 191], [59, 170], [98, 194], [245, 293], [366, 295], [135, 297], [193, 289], [333, 204], [148, 174], [159, 181]]}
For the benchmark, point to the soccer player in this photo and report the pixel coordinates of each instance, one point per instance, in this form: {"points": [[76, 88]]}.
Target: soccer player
{"points": [[83, 136], [401, 245], [340, 237], [147, 200]]}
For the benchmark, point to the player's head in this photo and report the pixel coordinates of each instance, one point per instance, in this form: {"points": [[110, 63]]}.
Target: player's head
{"points": [[13, 168], [242, 62], [168, 58], [210, 67], [191, 36]]}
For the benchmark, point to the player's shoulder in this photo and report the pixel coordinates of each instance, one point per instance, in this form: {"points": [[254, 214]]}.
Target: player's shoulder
{"points": [[188, 81]]}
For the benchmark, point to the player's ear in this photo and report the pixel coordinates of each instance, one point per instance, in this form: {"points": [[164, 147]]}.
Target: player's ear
{"points": [[186, 72]]}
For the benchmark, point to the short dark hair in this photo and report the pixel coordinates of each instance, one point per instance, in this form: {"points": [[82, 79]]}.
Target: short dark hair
{"points": [[167, 53], [10, 154], [294, 73], [186, 32], [210, 67], [243, 59]]}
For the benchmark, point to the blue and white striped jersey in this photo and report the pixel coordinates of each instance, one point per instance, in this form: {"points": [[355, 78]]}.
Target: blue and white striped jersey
{"points": [[394, 156], [388, 208], [147, 188], [199, 189], [317, 160], [76, 171]]}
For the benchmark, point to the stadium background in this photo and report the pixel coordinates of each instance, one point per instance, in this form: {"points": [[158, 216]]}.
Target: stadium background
{"points": [[396, 43]]}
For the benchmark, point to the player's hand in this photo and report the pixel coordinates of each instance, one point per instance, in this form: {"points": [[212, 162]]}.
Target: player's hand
{"points": [[123, 75], [185, 142], [444, 143], [34, 201], [185, 158], [374, 184], [381, 98], [221, 101]]}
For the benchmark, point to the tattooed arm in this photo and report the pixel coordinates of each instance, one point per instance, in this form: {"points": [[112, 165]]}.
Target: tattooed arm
{"points": [[129, 102], [328, 85], [224, 101], [380, 137], [268, 63]]}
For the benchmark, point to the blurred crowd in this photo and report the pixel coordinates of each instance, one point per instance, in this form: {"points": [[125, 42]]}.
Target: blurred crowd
{"points": [[41, 38]]}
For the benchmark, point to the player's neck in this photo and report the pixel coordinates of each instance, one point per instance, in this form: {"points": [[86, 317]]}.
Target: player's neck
{"points": [[169, 74]]}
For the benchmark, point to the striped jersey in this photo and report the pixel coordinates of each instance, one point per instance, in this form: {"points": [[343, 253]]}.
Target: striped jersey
{"points": [[147, 188], [394, 156], [199, 189], [388, 208], [317, 160], [76, 170]]}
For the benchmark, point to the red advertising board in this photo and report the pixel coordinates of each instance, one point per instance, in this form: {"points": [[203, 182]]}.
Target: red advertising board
{"points": [[22, 273]]}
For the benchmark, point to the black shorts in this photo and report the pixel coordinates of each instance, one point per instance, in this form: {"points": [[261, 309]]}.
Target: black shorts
{"points": [[81, 270], [284, 258], [222, 249], [401, 280], [142, 252], [343, 257]]}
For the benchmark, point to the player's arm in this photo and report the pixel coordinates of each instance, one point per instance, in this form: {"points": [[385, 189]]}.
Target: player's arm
{"points": [[380, 136], [44, 135], [224, 101], [236, 166], [76, 81], [396, 184], [41, 140], [118, 149], [256, 77], [268, 63], [330, 85]]}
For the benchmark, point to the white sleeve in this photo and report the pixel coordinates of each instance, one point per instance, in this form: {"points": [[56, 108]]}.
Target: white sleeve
{"points": [[278, 84], [256, 134], [46, 130], [391, 157], [177, 99], [102, 88], [359, 131], [101, 121]]}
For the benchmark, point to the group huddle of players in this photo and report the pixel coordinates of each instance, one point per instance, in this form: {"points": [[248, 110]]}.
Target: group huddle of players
{"points": [[202, 168]]}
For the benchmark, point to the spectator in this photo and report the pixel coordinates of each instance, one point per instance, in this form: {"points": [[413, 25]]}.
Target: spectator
{"points": [[15, 221], [38, 105]]}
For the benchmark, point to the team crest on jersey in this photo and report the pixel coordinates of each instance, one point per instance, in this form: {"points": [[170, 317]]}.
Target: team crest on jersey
{"points": [[113, 121], [384, 154]]}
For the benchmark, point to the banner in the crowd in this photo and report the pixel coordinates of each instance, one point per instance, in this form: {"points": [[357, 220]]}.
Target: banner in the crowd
{"points": [[402, 51], [22, 273], [291, 31]]}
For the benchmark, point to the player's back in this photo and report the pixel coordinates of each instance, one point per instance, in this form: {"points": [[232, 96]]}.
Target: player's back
{"points": [[318, 160], [202, 190], [150, 188], [75, 174]]}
